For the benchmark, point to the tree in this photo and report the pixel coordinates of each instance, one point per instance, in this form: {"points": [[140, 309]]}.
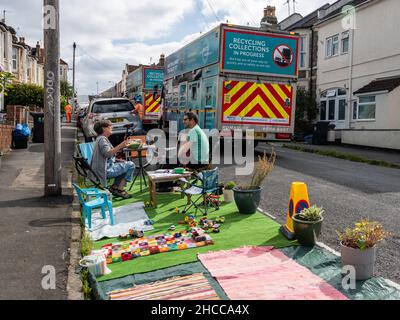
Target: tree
{"points": [[25, 95], [306, 111], [6, 79], [66, 89]]}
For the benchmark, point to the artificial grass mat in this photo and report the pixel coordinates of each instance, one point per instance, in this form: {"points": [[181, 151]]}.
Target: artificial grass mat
{"points": [[237, 231]]}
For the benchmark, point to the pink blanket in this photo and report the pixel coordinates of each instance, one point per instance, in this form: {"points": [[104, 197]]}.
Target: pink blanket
{"points": [[262, 273]]}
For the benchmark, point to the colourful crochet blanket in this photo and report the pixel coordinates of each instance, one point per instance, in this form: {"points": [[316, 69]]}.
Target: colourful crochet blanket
{"points": [[129, 250]]}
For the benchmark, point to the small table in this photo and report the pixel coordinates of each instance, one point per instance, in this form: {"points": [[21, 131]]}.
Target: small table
{"points": [[162, 176], [141, 171]]}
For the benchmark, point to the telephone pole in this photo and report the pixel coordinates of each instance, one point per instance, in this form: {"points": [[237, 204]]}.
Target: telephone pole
{"points": [[73, 78], [52, 121]]}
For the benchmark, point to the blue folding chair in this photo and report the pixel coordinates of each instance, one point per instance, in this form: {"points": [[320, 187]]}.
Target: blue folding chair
{"points": [[207, 182], [92, 199], [83, 159], [87, 151]]}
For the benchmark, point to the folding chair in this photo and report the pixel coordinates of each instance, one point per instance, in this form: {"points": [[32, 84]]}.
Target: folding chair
{"points": [[83, 159], [91, 199], [208, 184]]}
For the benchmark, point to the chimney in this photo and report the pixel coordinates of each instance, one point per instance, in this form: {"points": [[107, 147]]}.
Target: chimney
{"points": [[269, 21], [37, 53], [161, 63]]}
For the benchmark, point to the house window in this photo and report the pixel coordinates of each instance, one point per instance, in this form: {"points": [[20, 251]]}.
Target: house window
{"points": [[355, 110], [345, 42], [342, 110], [323, 110], [332, 46], [5, 45], [331, 110], [14, 59], [303, 52], [366, 108]]}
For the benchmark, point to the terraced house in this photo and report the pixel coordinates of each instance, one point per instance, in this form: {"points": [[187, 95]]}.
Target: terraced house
{"points": [[358, 84]]}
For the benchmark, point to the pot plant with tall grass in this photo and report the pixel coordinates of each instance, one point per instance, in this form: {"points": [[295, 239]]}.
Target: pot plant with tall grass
{"points": [[248, 196], [308, 224], [359, 245]]}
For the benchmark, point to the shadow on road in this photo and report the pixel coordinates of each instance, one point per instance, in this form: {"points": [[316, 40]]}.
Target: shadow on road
{"points": [[37, 202], [54, 223]]}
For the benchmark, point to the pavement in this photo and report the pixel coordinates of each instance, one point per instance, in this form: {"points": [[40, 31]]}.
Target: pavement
{"points": [[35, 232], [390, 156]]}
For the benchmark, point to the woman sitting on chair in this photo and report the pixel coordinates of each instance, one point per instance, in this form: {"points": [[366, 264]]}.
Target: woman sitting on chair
{"points": [[106, 165]]}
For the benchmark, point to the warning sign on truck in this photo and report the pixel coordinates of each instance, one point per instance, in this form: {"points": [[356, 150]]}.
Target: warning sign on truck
{"points": [[257, 103]]}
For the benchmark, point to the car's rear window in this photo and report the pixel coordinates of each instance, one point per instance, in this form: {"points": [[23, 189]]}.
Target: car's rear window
{"points": [[112, 106]]}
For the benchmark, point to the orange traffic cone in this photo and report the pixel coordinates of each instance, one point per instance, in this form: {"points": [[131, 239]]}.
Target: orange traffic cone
{"points": [[298, 201]]}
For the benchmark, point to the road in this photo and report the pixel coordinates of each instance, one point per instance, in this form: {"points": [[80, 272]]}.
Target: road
{"points": [[348, 191]]}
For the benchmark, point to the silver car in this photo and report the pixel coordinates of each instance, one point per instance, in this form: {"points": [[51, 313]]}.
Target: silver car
{"points": [[119, 111]]}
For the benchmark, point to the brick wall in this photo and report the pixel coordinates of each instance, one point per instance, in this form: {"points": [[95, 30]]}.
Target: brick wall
{"points": [[5, 138], [20, 114]]}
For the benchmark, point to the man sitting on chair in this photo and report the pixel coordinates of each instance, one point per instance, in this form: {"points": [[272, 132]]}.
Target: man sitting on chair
{"points": [[105, 164], [197, 144]]}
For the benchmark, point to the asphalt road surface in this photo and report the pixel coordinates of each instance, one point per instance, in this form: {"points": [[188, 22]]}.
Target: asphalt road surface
{"points": [[348, 191]]}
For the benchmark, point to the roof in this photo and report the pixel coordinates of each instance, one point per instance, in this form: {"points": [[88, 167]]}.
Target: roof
{"points": [[353, 3], [384, 84], [63, 62], [309, 20], [132, 68]]}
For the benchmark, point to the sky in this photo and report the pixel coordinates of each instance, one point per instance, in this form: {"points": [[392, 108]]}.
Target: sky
{"points": [[110, 34]]}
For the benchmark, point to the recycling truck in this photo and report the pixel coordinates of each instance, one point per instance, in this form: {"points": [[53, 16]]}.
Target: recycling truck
{"points": [[235, 77], [145, 85]]}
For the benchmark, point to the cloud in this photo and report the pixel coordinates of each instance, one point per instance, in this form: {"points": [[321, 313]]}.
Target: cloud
{"points": [[110, 34]]}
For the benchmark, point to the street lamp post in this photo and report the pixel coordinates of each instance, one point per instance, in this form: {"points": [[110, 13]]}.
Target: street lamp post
{"points": [[52, 121]]}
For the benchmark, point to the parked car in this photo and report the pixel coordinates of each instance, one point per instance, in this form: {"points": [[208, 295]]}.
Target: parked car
{"points": [[119, 111], [80, 116]]}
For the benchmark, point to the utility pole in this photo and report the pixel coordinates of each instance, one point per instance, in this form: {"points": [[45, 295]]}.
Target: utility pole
{"points": [[73, 77], [97, 83], [52, 121]]}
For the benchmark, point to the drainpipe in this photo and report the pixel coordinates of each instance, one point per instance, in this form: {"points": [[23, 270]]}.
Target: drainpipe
{"points": [[312, 65], [349, 103]]}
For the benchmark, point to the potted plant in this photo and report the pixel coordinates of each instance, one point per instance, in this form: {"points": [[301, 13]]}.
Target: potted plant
{"points": [[307, 225], [358, 247], [248, 197], [228, 191]]}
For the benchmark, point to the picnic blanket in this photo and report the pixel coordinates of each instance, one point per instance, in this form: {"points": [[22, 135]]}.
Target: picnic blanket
{"points": [[128, 217], [146, 246], [263, 273], [192, 287]]}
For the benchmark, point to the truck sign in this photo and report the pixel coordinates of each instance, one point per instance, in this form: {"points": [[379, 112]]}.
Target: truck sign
{"points": [[259, 53], [153, 78]]}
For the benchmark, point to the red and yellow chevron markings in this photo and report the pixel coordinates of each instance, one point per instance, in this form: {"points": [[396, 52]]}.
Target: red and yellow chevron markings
{"points": [[257, 100], [152, 106]]}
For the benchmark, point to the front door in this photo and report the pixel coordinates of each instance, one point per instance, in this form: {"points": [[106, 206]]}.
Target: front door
{"points": [[333, 109]]}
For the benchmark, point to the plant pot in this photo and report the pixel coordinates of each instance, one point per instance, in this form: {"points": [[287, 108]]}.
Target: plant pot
{"points": [[228, 196], [247, 201], [362, 261], [307, 232]]}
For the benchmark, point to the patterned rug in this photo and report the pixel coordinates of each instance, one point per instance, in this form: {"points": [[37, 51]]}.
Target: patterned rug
{"points": [[193, 287], [129, 250], [262, 273]]}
